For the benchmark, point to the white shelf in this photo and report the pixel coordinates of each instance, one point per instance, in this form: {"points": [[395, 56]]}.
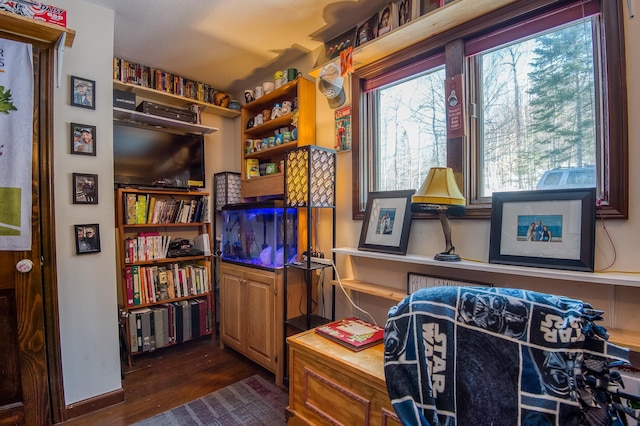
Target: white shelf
{"points": [[174, 100], [422, 28], [629, 280], [154, 120]]}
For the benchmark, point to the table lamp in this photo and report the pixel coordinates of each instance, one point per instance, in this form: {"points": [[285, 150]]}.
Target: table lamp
{"points": [[440, 195], [226, 187]]}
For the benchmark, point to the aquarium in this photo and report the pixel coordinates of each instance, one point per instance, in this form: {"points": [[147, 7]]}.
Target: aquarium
{"points": [[253, 234]]}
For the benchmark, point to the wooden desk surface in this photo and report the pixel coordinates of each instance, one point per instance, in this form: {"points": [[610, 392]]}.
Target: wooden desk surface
{"points": [[368, 361]]}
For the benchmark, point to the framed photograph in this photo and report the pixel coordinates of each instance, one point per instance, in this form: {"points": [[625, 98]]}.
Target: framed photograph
{"points": [[367, 31], [416, 281], [83, 139], [387, 221], [87, 238], [549, 229], [83, 92], [85, 188], [405, 11]]}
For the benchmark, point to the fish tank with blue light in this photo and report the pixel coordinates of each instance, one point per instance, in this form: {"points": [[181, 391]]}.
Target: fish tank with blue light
{"points": [[253, 234]]}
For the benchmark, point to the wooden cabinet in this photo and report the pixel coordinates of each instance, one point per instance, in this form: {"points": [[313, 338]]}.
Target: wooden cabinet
{"points": [[331, 384], [251, 313], [301, 93], [156, 276]]}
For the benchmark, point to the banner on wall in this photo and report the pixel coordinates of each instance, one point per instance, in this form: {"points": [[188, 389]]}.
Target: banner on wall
{"points": [[16, 128]]}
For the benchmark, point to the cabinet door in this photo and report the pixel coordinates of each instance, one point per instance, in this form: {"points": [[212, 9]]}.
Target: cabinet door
{"points": [[260, 321], [231, 309]]}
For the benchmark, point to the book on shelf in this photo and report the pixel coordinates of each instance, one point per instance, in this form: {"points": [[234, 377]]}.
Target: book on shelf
{"points": [[354, 333], [168, 323]]}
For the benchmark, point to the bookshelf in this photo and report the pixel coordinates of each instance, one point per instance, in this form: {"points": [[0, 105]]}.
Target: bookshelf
{"points": [[171, 99], [165, 287]]}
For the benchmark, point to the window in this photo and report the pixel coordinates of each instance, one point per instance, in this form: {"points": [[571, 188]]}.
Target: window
{"points": [[410, 135], [542, 97]]}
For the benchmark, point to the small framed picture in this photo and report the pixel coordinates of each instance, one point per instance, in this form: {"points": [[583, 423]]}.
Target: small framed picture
{"points": [[387, 221], [85, 188], [548, 229], [87, 238], [83, 139], [83, 92]]}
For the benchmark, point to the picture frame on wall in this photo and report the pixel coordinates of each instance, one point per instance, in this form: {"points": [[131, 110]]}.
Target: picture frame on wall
{"points": [[82, 140], [87, 238], [387, 221], [83, 92], [549, 229], [85, 188]]}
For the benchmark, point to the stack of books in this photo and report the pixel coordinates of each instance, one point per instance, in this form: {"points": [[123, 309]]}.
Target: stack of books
{"points": [[354, 333]]}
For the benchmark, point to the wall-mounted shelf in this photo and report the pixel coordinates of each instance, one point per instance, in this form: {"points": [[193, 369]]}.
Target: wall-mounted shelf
{"points": [[625, 338], [426, 26], [389, 293], [33, 29], [174, 100], [154, 120], [629, 280]]}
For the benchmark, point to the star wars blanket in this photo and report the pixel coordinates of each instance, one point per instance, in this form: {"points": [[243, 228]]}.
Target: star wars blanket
{"points": [[497, 356]]}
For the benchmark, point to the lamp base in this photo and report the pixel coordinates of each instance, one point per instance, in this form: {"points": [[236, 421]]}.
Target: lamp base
{"points": [[446, 257]]}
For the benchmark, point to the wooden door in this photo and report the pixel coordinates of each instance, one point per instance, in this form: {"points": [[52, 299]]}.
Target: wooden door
{"points": [[24, 374]]}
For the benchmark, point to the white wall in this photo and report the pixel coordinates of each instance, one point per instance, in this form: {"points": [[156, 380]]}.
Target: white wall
{"points": [[86, 283]]}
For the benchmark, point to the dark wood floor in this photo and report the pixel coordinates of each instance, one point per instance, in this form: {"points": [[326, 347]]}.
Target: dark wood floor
{"points": [[173, 376]]}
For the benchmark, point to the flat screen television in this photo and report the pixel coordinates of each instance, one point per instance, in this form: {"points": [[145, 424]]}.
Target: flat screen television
{"points": [[147, 156]]}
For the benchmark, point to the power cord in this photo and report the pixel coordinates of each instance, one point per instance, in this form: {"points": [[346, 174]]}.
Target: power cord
{"points": [[347, 295]]}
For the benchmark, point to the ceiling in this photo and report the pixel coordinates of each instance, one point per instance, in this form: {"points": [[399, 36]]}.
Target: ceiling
{"points": [[227, 43]]}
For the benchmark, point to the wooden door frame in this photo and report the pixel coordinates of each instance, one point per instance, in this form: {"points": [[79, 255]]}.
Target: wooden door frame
{"points": [[43, 165]]}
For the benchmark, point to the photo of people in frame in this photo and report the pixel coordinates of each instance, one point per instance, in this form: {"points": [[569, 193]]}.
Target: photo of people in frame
{"points": [[405, 11], [85, 188], [83, 92], [87, 238], [83, 139], [542, 228], [385, 221], [367, 31]]}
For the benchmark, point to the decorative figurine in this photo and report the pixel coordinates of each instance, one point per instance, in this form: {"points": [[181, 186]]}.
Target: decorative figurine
{"points": [[276, 112], [286, 107], [266, 115], [258, 120]]}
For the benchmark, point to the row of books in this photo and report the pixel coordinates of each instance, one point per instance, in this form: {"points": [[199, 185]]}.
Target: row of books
{"points": [[153, 284], [147, 209], [153, 78], [168, 323], [146, 246]]}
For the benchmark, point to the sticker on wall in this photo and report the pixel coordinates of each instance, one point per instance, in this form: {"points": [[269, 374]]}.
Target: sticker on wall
{"points": [[343, 129], [455, 111]]}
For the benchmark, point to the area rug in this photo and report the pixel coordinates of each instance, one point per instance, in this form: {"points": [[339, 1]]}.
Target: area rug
{"points": [[252, 401]]}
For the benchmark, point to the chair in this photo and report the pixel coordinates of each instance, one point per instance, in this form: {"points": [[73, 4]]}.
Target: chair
{"points": [[498, 356]]}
